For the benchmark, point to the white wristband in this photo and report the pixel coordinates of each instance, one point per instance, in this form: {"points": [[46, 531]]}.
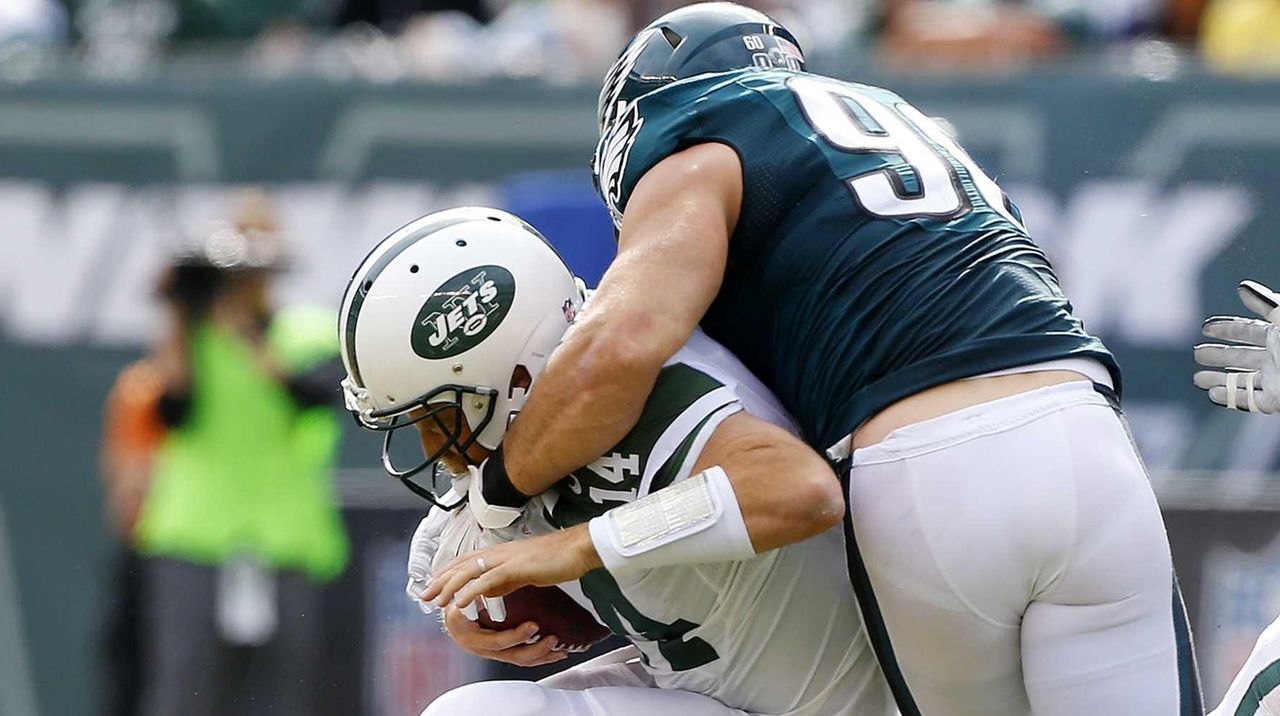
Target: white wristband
{"points": [[694, 521]]}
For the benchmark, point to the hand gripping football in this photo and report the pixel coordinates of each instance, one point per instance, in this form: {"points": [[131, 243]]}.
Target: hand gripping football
{"points": [[551, 608], [555, 613]]}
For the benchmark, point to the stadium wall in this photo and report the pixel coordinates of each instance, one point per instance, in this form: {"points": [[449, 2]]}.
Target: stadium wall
{"points": [[1152, 197]]}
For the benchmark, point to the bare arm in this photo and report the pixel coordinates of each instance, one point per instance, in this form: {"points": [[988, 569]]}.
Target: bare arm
{"points": [[132, 432], [671, 260], [786, 492]]}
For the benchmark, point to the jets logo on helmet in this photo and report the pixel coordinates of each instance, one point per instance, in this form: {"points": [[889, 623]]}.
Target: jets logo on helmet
{"points": [[463, 311]]}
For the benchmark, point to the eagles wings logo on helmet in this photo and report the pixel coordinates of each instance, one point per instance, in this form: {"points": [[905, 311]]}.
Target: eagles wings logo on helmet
{"points": [[694, 40], [611, 160], [691, 41], [608, 105], [449, 319]]}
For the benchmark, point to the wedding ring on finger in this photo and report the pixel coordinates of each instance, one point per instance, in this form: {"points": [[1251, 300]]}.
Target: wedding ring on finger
{"points": [[483, 567]]}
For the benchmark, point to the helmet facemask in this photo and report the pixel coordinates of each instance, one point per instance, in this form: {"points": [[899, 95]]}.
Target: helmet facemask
{"points": [[444, 406]]}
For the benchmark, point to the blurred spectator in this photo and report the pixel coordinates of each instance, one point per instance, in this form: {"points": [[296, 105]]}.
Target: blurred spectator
{"points": [[820, 25], [133, 432], [561, 40], [204, 20], [1242, 35], [442, 40], [393, 14], [930, 34], [123, 36], [1182, 19], [242, 19], [967, 34], [239, 524]]}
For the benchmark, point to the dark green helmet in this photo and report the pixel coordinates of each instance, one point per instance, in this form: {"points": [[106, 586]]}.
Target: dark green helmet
{"points": [[695, 40]]}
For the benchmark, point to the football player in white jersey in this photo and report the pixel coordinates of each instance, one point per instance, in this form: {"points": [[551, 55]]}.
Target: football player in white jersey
{"points": [[1243, 373], [681, 539]]}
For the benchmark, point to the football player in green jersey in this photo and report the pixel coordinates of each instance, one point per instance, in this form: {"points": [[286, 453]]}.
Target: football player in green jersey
{"points": [[1008, 552], [1244, 374], [676, 539]]}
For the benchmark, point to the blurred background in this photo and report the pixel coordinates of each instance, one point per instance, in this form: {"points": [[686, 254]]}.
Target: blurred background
{"points": [[186, 185]]}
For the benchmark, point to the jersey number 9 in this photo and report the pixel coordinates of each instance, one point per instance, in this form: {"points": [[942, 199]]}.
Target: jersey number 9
{"points": [[928, 182]]}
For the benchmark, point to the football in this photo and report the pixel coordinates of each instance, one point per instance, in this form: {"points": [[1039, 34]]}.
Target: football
{"points": [[556, 614]]}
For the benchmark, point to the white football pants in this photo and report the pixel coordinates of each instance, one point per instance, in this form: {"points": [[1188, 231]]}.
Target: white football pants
{"points": [[1020, 563], [1256, 689], [605, 686]]}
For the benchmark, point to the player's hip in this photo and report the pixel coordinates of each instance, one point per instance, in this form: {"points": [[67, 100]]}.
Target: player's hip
{"points": [[966, 410], [952, 381], [1023, 529], [1033, 480], [943, 400]]}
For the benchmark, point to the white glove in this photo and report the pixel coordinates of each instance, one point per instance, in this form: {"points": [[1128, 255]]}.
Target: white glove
{"points": [[1251, 380], [442, 536], [422, 551]]}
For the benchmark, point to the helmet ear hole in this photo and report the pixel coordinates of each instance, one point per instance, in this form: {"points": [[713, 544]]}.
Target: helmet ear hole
{"points": [[521, 379], [672, 37]]}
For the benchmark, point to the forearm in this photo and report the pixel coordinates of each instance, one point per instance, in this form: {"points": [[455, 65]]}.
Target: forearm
{"points": [[701, 520], [671, 258], [786, 492], [585, 401], [755, 488]]}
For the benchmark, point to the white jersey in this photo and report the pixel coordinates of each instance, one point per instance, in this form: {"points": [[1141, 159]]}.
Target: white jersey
{"points": [[776, 634]]}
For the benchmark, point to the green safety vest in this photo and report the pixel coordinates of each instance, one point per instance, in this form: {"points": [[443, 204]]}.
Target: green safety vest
{"points": [[249, 472]]}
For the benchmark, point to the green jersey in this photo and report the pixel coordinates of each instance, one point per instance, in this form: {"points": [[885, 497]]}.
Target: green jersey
{"points": [[872, 257], [757, 634]]}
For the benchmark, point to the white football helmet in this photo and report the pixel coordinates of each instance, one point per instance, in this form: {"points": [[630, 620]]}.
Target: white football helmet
{"points": [[458, 309]]}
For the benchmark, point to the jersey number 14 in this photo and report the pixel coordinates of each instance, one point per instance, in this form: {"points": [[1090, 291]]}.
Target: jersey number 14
{"points": [[928, 181]]}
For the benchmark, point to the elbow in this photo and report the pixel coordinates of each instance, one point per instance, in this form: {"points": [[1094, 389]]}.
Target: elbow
{"points": [[821, 498], [804, 493], [791, 491]]}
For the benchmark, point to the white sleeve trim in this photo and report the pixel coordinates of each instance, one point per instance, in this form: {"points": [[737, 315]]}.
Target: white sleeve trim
{"points": [[679, 429]]}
